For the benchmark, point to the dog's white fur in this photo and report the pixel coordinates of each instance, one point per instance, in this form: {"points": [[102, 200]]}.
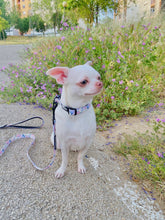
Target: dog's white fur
{"points": [[80, 84]]}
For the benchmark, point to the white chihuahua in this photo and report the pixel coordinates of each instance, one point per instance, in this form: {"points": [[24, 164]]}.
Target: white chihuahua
{"points": [[80, 84]]}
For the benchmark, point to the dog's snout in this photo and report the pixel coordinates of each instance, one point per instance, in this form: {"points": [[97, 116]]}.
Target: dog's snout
{"points": [[99, 84]]}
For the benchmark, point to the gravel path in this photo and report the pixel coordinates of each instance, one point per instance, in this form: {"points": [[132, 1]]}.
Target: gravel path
{"points": [[104, 192]]}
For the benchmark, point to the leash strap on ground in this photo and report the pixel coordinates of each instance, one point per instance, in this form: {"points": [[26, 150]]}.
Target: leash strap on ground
{"points": [[31, 136], [22, 136], [17, 125]]}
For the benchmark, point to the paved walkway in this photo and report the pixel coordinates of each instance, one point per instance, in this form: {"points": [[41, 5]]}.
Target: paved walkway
{"points": [[10, 54], [104, 192]]}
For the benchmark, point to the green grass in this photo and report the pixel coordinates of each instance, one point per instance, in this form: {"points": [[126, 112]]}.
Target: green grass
{"points": [[146, 155], [13, 40]]}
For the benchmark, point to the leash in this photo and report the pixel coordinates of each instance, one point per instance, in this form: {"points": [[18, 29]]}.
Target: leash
{"points": [[22, 136], [16, 125], [56, 101], [31, 136]]}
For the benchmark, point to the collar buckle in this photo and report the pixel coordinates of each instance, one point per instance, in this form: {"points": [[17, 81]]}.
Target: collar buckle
{"points": [[72, 111], [69, 110]]}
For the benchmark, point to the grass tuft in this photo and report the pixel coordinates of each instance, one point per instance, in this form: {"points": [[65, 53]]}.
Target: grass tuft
{"points": [[146, 155]]}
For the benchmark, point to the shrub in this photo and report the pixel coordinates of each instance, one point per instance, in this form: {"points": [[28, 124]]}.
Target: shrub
{"points": [[130, 60]]}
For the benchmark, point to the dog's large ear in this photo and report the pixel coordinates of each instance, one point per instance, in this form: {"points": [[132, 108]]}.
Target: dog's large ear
{"points": [[89, 63], [59, 73]]}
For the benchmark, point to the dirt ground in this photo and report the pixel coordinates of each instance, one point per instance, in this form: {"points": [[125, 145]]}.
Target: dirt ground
{"points": [[131, 126]]}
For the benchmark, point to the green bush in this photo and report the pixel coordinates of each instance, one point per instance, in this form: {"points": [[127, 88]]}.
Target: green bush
{"points": [[129, 58]]}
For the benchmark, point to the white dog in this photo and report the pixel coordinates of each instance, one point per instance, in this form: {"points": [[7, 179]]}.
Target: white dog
{"points": [[80, 84]]}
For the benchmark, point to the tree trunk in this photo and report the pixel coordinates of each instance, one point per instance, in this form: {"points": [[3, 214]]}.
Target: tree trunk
{"points": [[92, 13], [125, 10], [97, 13]]}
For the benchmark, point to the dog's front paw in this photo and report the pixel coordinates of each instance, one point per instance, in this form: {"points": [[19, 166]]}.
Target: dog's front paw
{"points": [[81, 169], [59, 173]]}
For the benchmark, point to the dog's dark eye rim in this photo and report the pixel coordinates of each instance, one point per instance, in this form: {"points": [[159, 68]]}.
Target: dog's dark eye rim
{"points": [[84, 82]]}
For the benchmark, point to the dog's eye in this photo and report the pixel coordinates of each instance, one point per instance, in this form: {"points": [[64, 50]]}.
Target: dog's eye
{"points": [[84, 82], [99, 78]]}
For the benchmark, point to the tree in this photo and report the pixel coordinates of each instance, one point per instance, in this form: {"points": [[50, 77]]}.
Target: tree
{"points": [[37, 23], [22, 25], [163, 5], [40, 26], [48, 10], [34, 20], [3, 25], [90, 9], [14, 17], [3, 6], [122, 8], [56, 19]]}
